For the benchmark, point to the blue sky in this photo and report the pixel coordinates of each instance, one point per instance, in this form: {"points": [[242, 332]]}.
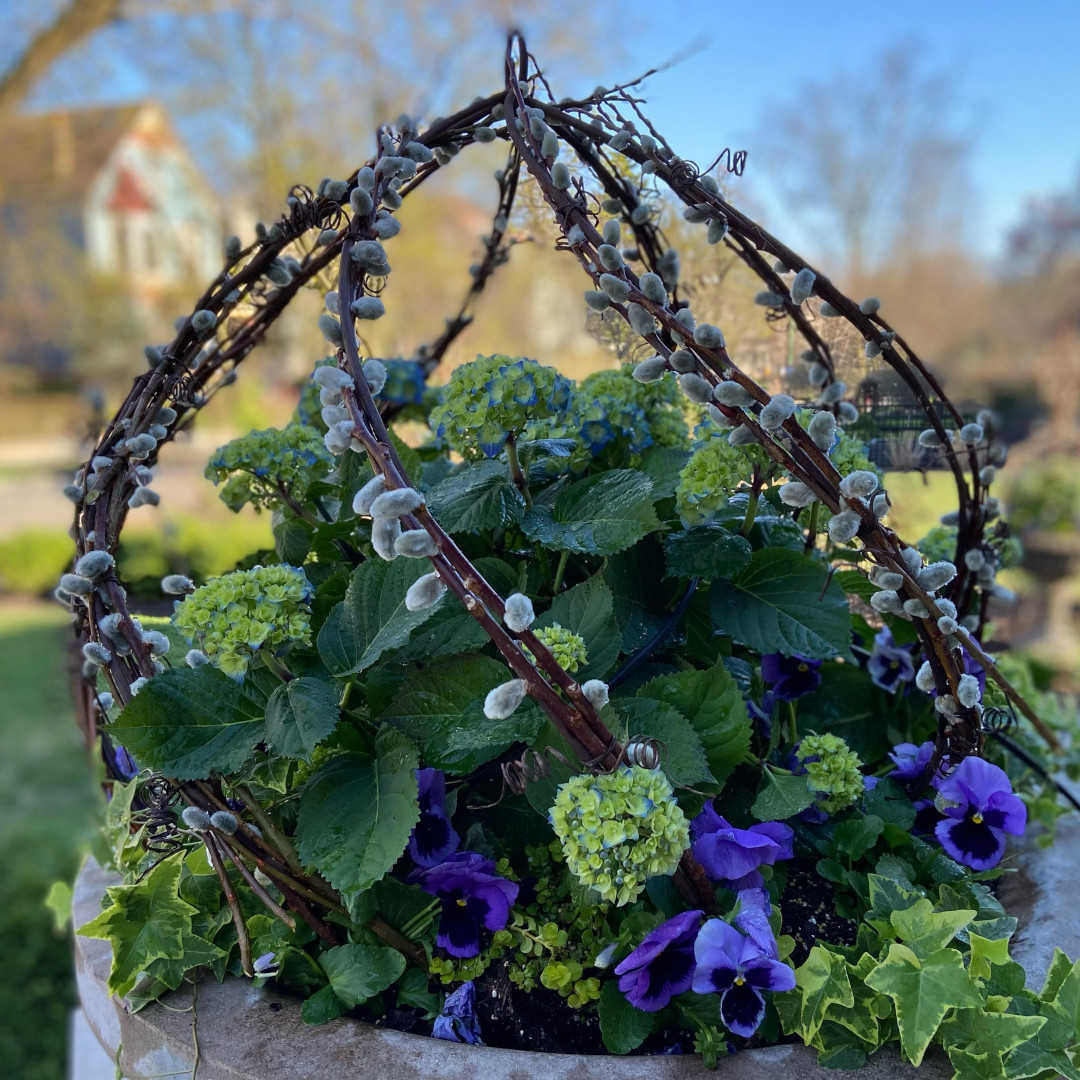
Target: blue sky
{"points": [[1017, 67]]}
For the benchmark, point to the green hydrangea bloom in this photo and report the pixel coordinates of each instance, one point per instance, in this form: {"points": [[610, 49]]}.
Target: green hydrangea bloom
{"points": [[939, 544], [618, 829], [711, 477], [233, 616], [495, 397], [261, 465], [567, 647], [832, 770]]}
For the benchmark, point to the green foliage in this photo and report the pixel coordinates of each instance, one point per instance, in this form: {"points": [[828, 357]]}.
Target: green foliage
{"points": [[709, 552], [32, 561], [714, 473], [299, 715], [1046, 496], [477, 498], [567, 647], [623, 1027]]}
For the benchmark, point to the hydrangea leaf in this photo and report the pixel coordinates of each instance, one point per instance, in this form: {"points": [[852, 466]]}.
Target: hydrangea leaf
{"points": [[441, 708], [478, 498], [663, 465], [372, 618], [188, 722], [821, 981], [143, 923], [356, 814], [358, 972], [926, 931], [638, 592], [711, 701], [781, 796], [587, 610], [622, 1026], [709, 552], [683, 756], [600, 515], [451, 629], [779, 603], [923, 991], [856, 836], [292, 541], [299, 715]]}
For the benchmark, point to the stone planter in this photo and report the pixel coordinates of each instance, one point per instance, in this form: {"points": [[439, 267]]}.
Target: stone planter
{"points": [[246, 1033]]}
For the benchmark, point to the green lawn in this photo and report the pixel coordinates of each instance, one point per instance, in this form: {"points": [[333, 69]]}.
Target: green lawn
{"points": [[48, 809]]}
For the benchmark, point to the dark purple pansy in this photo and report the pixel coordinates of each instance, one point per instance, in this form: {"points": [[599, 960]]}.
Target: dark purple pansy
{"points": [[662, 965], [734, 855], [126, 766], [979, 808], [752, 919], [792, 676], [738, 969], [890, 664], [473, 897], [762, 714], [458, 1021], [434, 838], [911, 761]]}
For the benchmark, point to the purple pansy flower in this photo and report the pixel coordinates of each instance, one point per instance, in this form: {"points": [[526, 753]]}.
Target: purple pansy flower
{"points": [[434, 838], [911, 761], [980, 808], [753, 920], [662, 965], [472, 895], [734, 855], [738, 969], [793, 676], [890, 664], [458, 1021], [762, 714]]}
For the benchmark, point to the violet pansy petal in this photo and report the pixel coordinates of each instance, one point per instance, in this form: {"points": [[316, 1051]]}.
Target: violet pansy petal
{"points": [[742, 1009]]}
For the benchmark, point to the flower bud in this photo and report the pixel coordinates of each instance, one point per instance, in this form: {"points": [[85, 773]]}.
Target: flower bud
{"points": [[743, 435], [156, 641], [375, 373], [384, 536], [779, 409], [96, 653], [870, 305], [397, 502], [818, 375], [76, 584], [368, 307], [795, 493], [886, 602], [916, 608], [871, 349], [945, 606], [424, 592], [803, 285], [833, 393], [822, 430], [143, 496], [611, 232], [971, 434], [652, 285], [912, 559], [768, 298], [881, 506], [986, 475], [718, 418], [717, 230], [924, 677], [945, 704], [695, 388], [105, 701], [224, 822], [196, 658], [363, 499], [641, 321], [929, 438], [138, 684], [195, 818], [560, 176], [599, 301], [934, 576], [886, 579], [202, 322], [141, 446], [859, 484], [331, 330], [518, 613], [334, 414], [617, 289], [95, 564], [947, 625], [847, 413], [974, 559], [609, 257], [685, 318], [504, 699], [844, 526], [596, 693], [682, 361], [332, 378], [416, 544], [828, 311], [650, 370], [709, 337], [732, 394]]}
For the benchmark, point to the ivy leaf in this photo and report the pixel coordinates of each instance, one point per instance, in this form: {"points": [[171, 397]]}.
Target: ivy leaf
{"points": [[587, 609], [356, 814], [923, 991], [710, 552], [780, 796], [622, 1026], [441, 708], [821, 981], [986, 953], [372, 618], [188, 722], [925, 931], [887, 896], [143, 923], [773, 605], [299, 715], [683, 756], [977, 1040], [711, 701], [600, 515], [195, 952], [478, 498], [359, 972]]}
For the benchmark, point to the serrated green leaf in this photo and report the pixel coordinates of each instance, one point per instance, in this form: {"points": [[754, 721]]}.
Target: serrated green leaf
{"points": [[600, 515], [711, 701], [773, 605], [663, 465], [586, 609], [299, 715], [143, 923], [638, 591], [372, 618], [187, 722], [356, 814], [441, 708], [683, 756], [780, 796], [887, 896], [923, 991], [358, 972], [478, 498], [709, 552], [622, 1026], [451, 629], [292, 541]]}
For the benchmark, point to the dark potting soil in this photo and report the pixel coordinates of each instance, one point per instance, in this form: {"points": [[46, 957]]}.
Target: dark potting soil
{"points": [[809, 907]]}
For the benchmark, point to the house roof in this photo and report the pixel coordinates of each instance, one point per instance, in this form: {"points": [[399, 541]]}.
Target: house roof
{"points": [[54, 156]]}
